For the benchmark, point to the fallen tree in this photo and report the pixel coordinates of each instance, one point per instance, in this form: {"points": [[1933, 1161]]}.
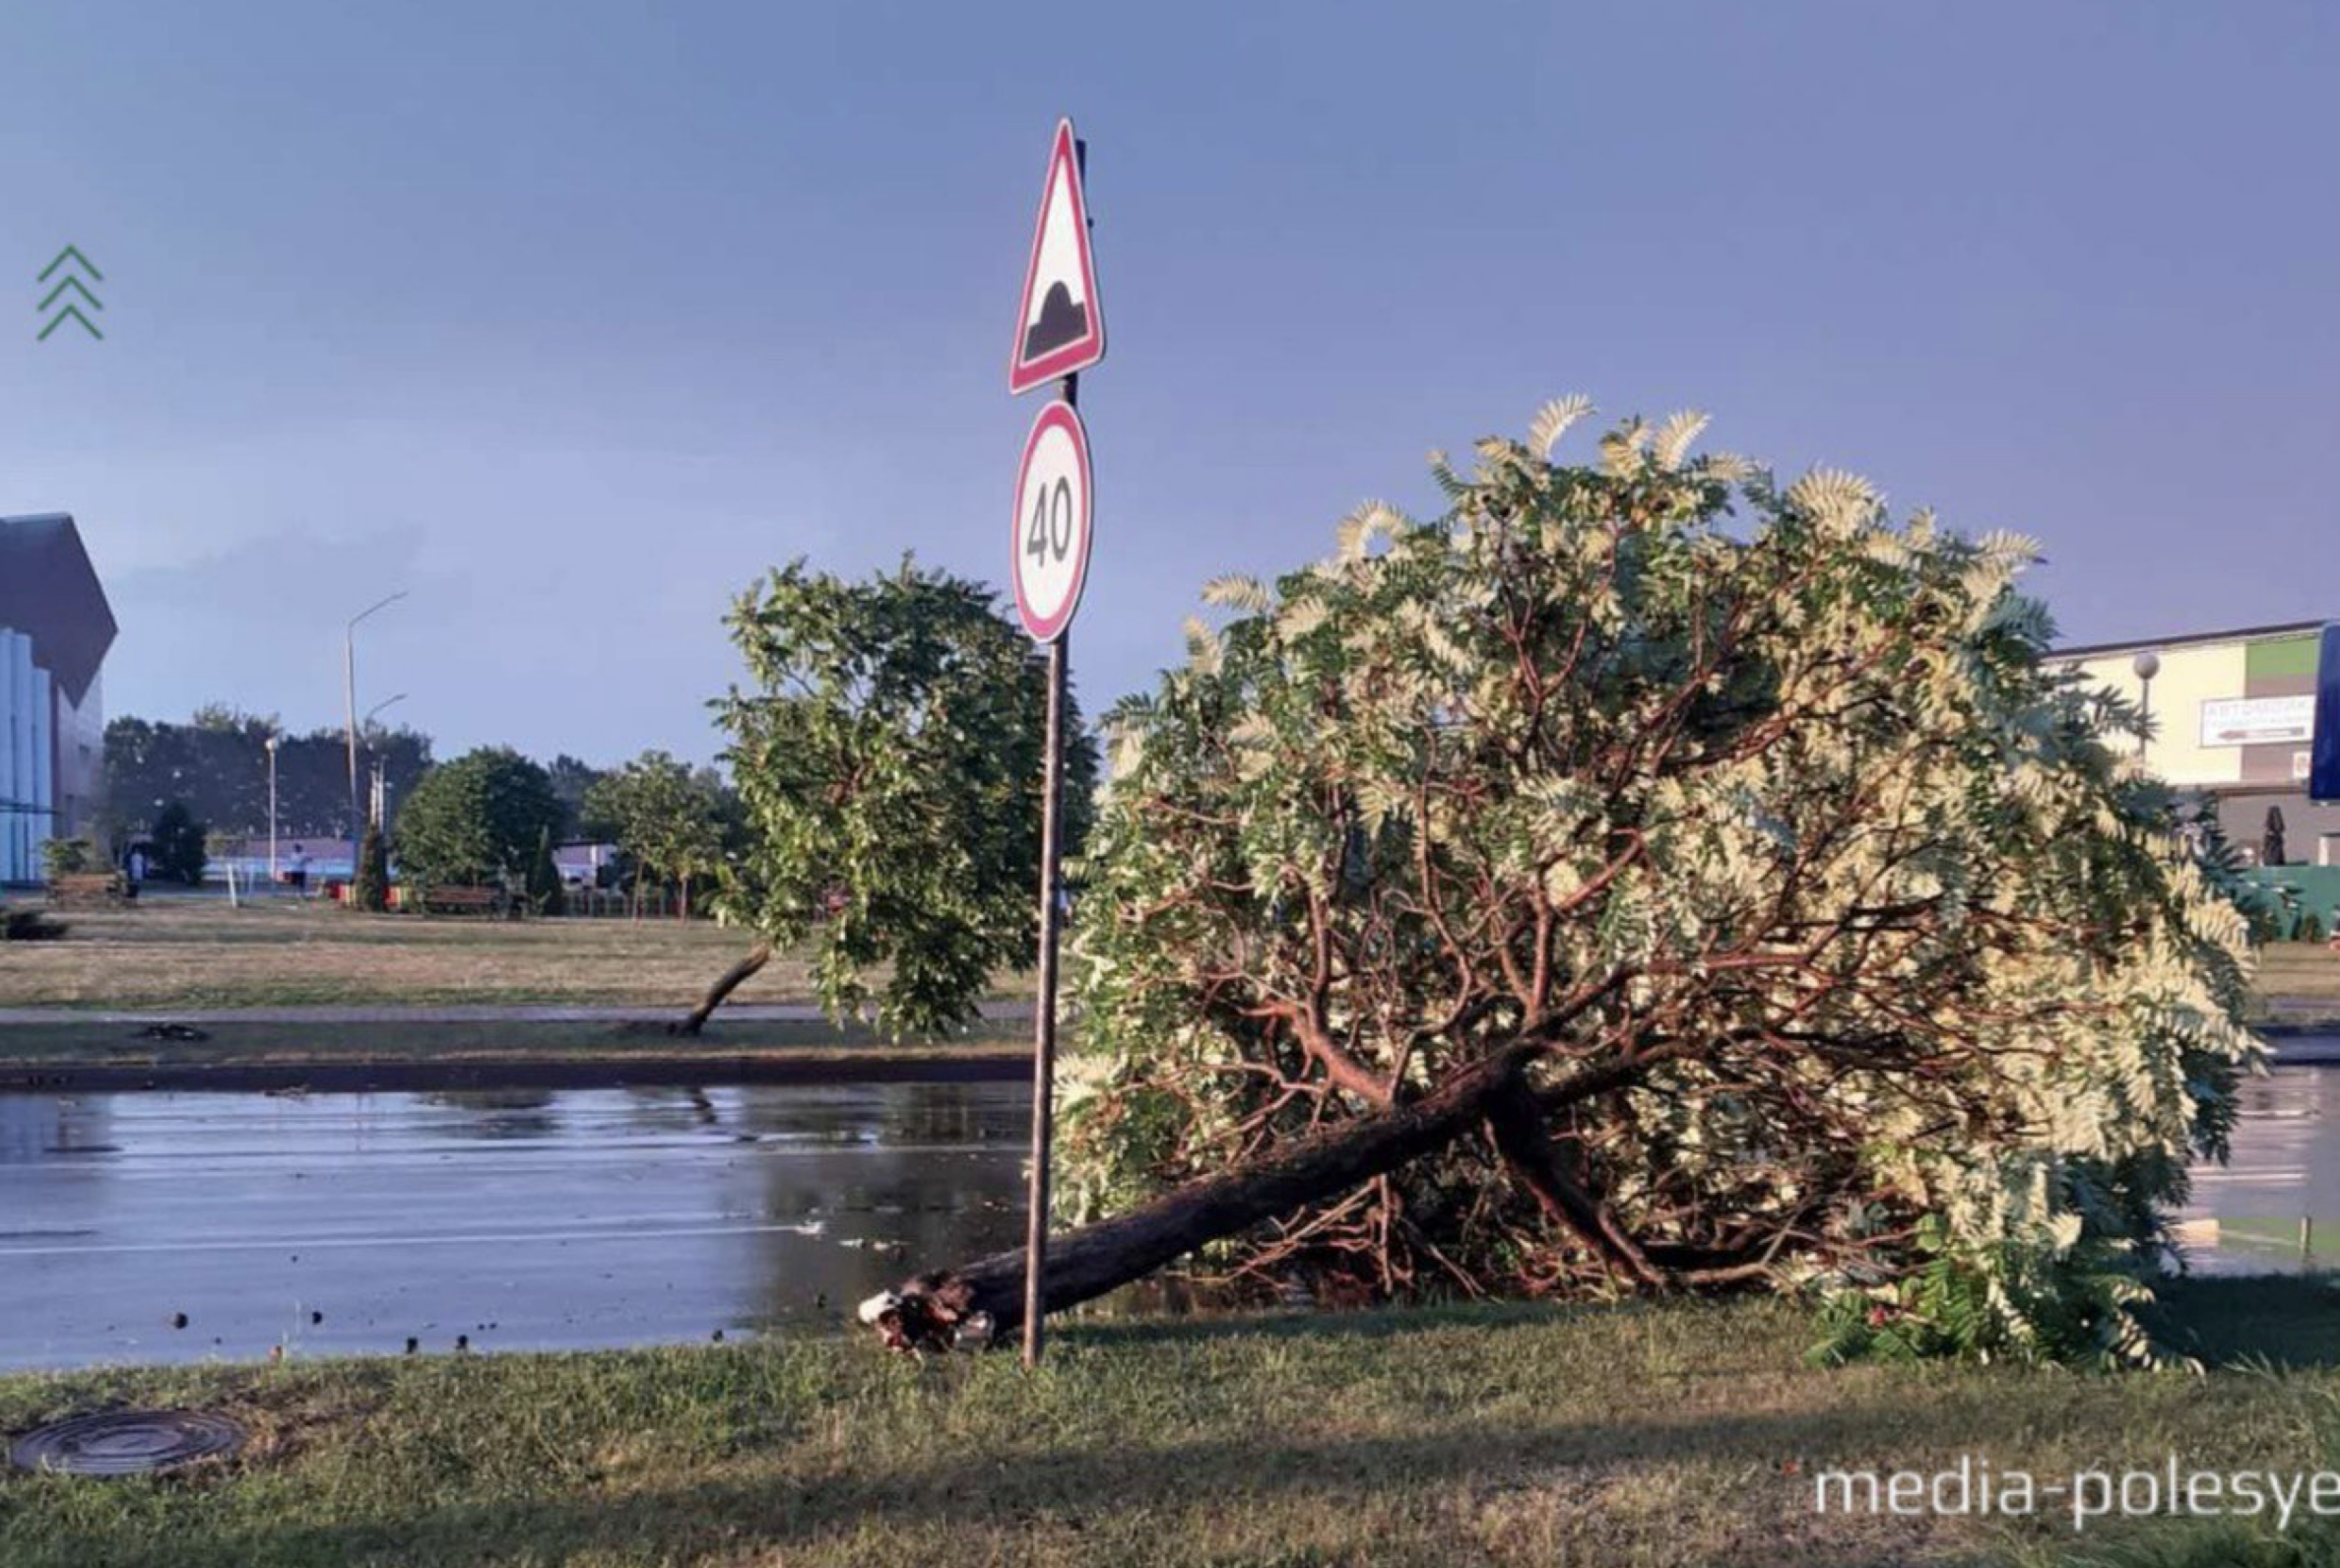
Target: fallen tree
{"points": [[886, 745], [1642, 878], [739, 974], [1096, 1259], [1088, 1262]]}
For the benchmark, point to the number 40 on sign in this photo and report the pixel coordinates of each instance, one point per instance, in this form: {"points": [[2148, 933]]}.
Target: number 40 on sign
{"points": [[1055, 496]]}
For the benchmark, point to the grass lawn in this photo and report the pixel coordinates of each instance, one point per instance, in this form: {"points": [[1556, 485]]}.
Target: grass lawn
{"points": [[198, 952], [1676, 1434]]}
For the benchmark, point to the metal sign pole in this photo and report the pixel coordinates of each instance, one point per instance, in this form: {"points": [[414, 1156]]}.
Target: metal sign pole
{"points": [[1044, 1011], [1060, 331]]}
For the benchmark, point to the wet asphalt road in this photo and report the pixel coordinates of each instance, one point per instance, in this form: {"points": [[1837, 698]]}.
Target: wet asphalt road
{"points": [[546, 1219], [2285, 1168], [339, 1224]]}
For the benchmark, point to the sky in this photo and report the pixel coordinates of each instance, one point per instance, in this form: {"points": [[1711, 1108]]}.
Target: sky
{"points": [[570, 321]]}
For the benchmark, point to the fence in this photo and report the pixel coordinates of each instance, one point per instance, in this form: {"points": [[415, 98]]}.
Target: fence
{"points": [[2302, 892]]}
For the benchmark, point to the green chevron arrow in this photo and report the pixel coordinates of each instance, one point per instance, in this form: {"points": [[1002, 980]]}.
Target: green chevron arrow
{"points": [[71, 281], [75, 312], [72, 252]]}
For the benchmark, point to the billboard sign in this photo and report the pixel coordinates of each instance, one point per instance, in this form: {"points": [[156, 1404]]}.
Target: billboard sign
{"points": [[2258, 721]]}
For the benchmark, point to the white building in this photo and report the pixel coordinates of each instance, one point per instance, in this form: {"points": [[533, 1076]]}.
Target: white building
{"points": [[55, 628], [28, 753], [2233, 714]]}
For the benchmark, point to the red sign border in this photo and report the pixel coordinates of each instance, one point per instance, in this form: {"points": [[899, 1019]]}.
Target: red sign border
{"points": [[1055, 411], [1063, 162]]}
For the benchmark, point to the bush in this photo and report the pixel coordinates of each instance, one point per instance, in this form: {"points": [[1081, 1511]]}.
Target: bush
{"points": [[371, 889], [67, 856], [179, 855], [546, 895], [29, 925]]}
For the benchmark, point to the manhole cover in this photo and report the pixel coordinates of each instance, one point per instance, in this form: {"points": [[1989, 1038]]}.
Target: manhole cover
{"points": [[126, 1442]]}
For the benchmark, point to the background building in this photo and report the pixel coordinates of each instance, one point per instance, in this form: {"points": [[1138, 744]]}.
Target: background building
{"points": [[2233, 714], [55, 628]]}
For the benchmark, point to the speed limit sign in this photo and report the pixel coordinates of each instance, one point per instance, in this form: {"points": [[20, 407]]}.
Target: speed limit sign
{"points": [[1054, 498]]}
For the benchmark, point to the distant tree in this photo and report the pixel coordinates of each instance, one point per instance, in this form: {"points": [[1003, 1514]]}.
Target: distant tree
{"points": [[371, 889], [546, 895], [888, 757], [572, 783], [478, 819], [179, 839], [221, 718], [665, 819], [217, 763]]}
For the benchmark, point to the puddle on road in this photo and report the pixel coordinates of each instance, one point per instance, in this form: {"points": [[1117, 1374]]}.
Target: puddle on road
{"points": [[571, 1218], [2275, 1207], [343, 1224]]}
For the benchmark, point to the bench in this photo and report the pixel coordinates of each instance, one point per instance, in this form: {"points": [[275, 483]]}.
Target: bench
{"points": [[86, 889], [462, 901]]}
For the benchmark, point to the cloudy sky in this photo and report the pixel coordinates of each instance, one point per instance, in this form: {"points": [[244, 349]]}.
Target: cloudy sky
{"points": [[569, 320]]}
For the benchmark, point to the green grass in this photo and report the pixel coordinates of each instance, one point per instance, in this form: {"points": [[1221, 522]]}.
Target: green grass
{"points": [[1677, 1434], [187, 953], [183, 955], [198, 952]]}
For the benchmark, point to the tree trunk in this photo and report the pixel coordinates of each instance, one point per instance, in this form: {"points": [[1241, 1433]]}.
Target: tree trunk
{"points": [[1086, 1263], [729, 981], [1516, 1122]]}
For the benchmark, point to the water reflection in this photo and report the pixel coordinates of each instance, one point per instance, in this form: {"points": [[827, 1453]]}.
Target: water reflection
{"points": [[546, 1219], [2275, 1207], [498, 1113], [527, 1220], [35, 1127]]}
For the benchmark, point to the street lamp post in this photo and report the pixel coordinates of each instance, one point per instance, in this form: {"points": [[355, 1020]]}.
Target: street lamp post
{"points": [[373, 792], [2145, 666], [274, 741], [349, 697]]}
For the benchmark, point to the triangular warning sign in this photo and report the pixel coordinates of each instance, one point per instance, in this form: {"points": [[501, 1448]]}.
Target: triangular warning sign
{"points": [[1060, 329]]}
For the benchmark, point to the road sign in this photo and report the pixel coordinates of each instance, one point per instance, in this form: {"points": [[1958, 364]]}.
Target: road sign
{"points": [[2323, 766], [1060, 331], [1055, 498], [1060, 328]]}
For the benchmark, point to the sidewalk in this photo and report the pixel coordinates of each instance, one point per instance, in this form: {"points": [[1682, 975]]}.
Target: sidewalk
{"points": [[498, 1012]]}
